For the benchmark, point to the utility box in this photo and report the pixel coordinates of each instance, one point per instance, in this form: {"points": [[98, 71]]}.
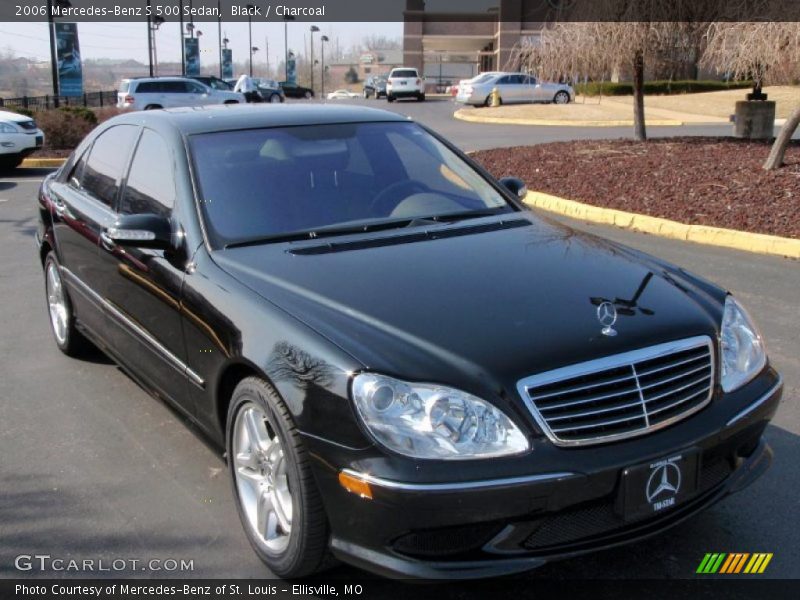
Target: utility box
{"points": [[754, 119]]}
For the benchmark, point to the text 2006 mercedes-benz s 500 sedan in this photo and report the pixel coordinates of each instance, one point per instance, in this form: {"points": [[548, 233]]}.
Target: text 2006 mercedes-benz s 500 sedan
{"points": [[408, 370]]}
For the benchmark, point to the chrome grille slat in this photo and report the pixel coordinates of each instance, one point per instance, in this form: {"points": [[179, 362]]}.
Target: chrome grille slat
{"points": [[632, 390], [676, 403], [671, 365], [585, 387], [674, 378], [593, 412], [586, 403]]}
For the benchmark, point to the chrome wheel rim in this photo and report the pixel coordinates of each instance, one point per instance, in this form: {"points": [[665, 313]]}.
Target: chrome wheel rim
{"points": [[56, 303], [274, 99], [262, 480], [561, 98]]}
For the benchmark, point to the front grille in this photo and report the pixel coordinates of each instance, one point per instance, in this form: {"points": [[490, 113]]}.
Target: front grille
{"points": [[623, 395]]}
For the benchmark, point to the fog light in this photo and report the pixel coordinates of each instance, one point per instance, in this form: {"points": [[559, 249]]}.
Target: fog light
{"points": [[354, 485]]}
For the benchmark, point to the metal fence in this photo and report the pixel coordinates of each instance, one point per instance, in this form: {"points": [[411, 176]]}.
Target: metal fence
{"points": [[92, 99]]}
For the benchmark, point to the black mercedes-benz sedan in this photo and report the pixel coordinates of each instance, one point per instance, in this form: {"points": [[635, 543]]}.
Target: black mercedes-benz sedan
{"points": [[406, 368]]}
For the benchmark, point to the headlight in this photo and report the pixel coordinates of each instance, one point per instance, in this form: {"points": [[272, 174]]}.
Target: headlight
{"points": [[7, 128], [431, 421], [743, 354]]}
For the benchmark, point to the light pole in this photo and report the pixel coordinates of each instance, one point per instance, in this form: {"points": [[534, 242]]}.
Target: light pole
{"points": [[322, 41], [250, 10], [253, 50], [183, 50], [286, 20], [314, 29], [219, 34]]}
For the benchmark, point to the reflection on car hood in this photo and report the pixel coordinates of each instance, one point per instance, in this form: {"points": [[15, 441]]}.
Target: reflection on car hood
{"points": [[493, 306]]}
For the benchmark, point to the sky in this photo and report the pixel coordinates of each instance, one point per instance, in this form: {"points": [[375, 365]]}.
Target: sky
{"points": [[129, 40]]}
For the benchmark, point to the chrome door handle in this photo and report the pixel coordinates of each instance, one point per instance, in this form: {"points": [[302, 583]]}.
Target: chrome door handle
{"points": [[61, 208], [107, 242]]}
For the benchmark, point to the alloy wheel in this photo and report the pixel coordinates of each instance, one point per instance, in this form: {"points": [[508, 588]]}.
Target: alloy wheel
{"points": [[260, 468], [56, 303]]}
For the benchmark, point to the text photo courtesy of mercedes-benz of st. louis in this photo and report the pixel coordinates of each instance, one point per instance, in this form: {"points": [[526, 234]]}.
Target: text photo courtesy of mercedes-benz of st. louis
{"points": [[406, 369]]}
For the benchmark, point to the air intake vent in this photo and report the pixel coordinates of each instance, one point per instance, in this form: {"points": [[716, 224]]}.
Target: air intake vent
{"points": [[624, 395], [417, 236]]}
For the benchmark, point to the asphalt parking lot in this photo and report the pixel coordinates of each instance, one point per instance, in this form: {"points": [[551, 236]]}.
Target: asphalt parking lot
{"points": [[92, 467]]}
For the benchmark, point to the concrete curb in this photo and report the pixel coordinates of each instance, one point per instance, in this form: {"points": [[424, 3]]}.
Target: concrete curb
{"points": [[700, 234], [465, 115], [42, 163]]}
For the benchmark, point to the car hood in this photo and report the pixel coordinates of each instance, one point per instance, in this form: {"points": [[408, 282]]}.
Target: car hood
{"points": [[482, 306], [13, 117]]}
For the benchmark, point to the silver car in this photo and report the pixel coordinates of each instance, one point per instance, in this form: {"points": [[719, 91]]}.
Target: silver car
{"points": [[514, 88]]}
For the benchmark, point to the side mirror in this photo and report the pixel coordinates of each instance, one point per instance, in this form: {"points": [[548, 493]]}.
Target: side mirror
{"points": [[515, 185], [140, 231]]}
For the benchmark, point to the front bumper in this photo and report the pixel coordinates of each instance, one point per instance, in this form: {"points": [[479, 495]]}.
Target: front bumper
{"points": [[498, 526], [21, 144]]}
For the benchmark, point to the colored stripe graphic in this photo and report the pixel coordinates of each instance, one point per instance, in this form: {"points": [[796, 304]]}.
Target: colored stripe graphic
{"points": [[734, 563]]}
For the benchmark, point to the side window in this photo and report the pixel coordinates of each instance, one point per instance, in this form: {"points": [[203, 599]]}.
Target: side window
{"points": [[195, 88], [504, 80], [151, 182], [76, 175], [173, 87], [516, 79], [147, 87], [107, 162]]}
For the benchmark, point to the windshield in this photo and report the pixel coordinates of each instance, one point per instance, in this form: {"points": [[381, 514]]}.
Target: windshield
{"points": [[274, 183]]}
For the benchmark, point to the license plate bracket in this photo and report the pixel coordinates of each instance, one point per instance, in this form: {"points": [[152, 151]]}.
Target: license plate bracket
{"points": [[659, 485]]}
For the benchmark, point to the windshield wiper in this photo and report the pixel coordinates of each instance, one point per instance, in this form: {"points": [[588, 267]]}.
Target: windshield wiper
{"points": [[322, 232]]}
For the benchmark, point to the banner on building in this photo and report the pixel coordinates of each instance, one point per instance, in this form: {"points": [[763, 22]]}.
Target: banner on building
{"points": [[70, 70], [227, 63], [192, 50]]}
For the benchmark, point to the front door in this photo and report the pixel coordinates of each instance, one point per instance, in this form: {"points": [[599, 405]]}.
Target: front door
{"points": [[145, 286]]}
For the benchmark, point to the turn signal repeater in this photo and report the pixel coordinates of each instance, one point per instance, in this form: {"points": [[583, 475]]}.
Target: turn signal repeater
{"points": [[354, 485]]}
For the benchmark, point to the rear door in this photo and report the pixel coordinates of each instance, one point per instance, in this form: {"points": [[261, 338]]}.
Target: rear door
{"points": [[83, 206], [144, 285]]}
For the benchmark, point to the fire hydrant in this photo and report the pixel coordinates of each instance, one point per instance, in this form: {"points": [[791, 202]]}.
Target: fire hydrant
{"points": [[494, 98]]}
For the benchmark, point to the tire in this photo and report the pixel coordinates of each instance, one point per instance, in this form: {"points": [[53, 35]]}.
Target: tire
{"points": [[561, 98], [10, 162], [308, 95], [390, 98], [421, 98], [152, 107], [275, 99], [59, 307], [231, 102], [280, 472], [365, 95]]}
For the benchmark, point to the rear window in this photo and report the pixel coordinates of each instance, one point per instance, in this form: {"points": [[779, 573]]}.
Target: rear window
{"points": [[404, 73], [124, 87], [482, 78]]}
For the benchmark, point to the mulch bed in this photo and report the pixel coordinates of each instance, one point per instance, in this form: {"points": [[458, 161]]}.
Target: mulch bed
{"points": [[695, 180]]}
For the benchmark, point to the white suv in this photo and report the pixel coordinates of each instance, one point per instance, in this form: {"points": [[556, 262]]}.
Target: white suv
{"points": [[149, 93], [405, 82], [19, 137]]}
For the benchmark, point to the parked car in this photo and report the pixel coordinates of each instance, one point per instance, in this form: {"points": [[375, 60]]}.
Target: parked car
{"points": [[292, 90], [20, 136], [270, 90], [514, 88], [374, 87], [342, 95], [405, 367], [214, 82], [405, 82], [149, 93]]}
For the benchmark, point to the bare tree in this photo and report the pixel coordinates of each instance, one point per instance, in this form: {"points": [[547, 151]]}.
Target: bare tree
{"points": [[766, 52], [621, 36]]}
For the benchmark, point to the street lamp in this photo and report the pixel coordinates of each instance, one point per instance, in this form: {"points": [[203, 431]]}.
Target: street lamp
{"points": [[322, 41], [53, 54], [250, 10], [314, 29], [153, 23], [219, 34]]}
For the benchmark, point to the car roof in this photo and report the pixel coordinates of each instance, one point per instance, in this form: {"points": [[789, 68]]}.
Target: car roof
{"points": [[213, 118]]}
